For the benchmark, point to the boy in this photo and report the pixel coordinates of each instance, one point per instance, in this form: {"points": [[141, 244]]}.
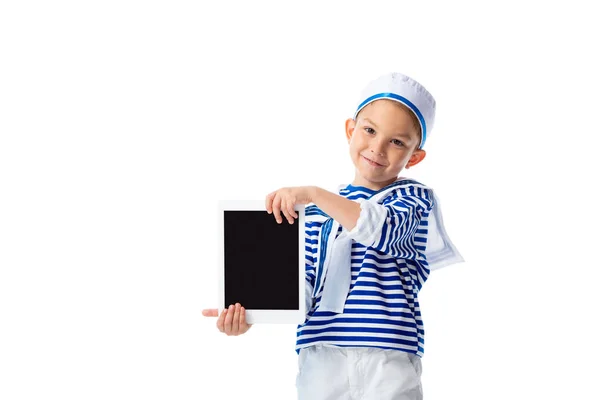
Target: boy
{"points": [[369, 251]]}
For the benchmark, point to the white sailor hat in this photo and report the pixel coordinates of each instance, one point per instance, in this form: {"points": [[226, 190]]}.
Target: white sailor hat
{"points": [[405, 90]]}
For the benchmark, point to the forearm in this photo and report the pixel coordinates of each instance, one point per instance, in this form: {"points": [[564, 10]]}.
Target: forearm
{"points": [[344, 211]]}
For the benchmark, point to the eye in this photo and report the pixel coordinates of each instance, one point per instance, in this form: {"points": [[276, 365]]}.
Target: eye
{"points": [[369, 130], [397, 142]]}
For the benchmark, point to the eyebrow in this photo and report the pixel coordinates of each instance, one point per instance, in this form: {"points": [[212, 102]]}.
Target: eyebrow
{"points": [[402, 135], [371, 122]]}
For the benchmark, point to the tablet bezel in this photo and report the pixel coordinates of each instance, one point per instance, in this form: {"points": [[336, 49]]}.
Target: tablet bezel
{"points": [[264, 316]]}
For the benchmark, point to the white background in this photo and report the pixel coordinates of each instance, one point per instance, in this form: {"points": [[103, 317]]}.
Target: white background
{"points": [[123, 123]]}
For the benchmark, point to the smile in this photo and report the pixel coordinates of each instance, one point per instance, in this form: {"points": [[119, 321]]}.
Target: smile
{"points": [[373, 163]]}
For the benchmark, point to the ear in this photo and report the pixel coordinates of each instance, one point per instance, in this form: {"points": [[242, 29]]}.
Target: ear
{"points": [[416, 157], [350, 125]]}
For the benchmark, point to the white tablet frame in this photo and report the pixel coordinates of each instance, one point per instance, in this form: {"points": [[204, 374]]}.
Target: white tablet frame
{"points": [[264, 316]]}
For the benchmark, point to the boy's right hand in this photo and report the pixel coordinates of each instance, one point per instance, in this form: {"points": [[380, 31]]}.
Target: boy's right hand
{"points": [[232, 321]]}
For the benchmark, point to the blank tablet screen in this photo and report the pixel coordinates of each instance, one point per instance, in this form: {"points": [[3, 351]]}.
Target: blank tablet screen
{"points": [[261, 261]]}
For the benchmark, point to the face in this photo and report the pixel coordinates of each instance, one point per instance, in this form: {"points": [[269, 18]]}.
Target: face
{"points": [[383, 141]]}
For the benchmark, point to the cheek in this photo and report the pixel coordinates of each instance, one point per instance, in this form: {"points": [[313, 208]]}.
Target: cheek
{"points": [[353, 144], [400, 161], [353, 151], [356, 142]]}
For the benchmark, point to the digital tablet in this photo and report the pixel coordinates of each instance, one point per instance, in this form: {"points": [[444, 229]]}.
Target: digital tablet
{"points": [[261, 263]]}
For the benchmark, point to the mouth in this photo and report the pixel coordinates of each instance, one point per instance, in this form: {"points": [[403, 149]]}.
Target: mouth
{"points": [[371, 162]]}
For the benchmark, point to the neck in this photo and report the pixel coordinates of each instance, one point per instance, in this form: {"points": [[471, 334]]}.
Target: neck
{"points": [[360, 181]]}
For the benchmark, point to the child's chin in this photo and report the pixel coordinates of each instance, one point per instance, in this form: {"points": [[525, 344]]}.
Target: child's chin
{"points": [[369, 170]]}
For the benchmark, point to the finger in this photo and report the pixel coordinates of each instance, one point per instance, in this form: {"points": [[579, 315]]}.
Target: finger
{"points": [[210, 312], [221, 321], [269, 202], [277, 208], [243, 325], [235, 326], [285, 207], [229, 319], [291, 210]]}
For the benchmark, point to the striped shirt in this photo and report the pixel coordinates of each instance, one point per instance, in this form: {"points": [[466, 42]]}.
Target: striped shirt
{"points": [[388, 268]]}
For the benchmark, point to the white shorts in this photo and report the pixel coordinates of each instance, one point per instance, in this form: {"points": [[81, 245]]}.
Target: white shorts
{"points": [[353, 373]]}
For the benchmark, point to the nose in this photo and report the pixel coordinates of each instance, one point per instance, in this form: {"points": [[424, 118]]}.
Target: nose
{"points": [[377, 147]]}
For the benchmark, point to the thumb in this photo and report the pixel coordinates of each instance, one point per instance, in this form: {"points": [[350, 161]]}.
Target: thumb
{"points": [[210, 312]]}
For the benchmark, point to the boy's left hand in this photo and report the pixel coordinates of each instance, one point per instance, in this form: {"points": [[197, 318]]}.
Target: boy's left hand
{"points": [[284, 200]]}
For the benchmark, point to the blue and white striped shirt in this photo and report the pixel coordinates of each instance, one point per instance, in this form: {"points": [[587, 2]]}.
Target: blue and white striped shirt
{"points": [[388, 268]]}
